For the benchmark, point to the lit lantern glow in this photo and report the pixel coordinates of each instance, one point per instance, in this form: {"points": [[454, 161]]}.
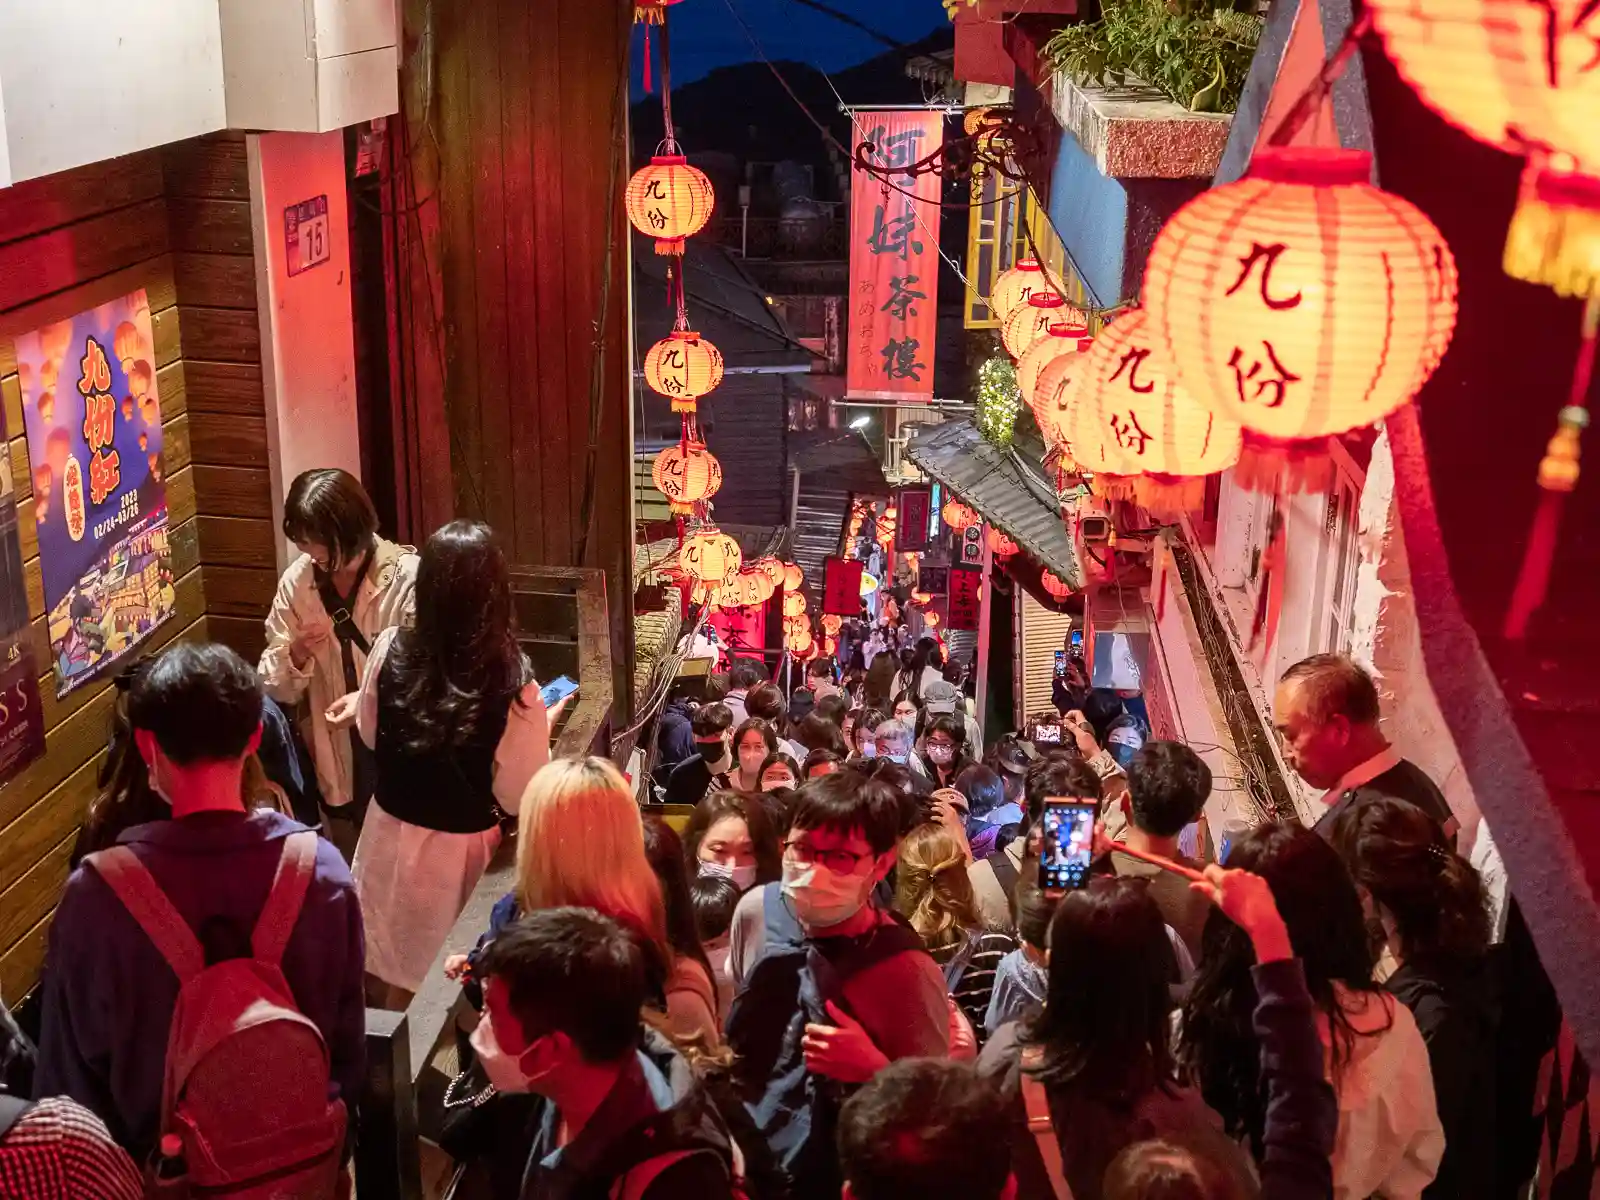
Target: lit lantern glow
{"points": [[958, 516], [799, 643], [1000, 545], [793, 577], [1061, 338], [794, 604], [711, 556], [772, 568], [792, 624], [1015, 287], [1055, 392], [669, 200], [1554, 238], [1300, 301], [745, 590], [1031, 321], [650, 12], [869, 584], [832, 623], [1133, 420], [830, 646], [1053, 584], [931, 620], [686, 474], [683, 366]]}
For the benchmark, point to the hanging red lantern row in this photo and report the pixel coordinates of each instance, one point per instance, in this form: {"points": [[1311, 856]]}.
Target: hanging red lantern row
{"points": [[1056, 389], [670, 201], [770, 566], [799, 643], [1000, 545], [1031, 321], [686, 474], [1016, 286], [683, 366], [1301, 302], [958, 516], [1054, 585], [1061, 338]]}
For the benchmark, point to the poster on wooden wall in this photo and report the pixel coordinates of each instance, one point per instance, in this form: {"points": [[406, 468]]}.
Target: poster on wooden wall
{"points": [[21, 717], [93, 421]]}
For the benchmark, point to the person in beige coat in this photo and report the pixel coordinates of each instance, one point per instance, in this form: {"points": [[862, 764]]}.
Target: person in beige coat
{"points": [[346, 587]]}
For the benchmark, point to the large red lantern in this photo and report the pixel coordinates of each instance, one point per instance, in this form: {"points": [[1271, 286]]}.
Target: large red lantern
{"points": [[794, 604], [1031, 321], [1054, 392], [958, 516], [832, 623], [799, 643], [830, 646], [1015, 287], [711, 556], [1133, 419], [685, 474], [669, 200], [999, 544], [1055, 586], [745, 589], [1300, 301], [683, 366]]}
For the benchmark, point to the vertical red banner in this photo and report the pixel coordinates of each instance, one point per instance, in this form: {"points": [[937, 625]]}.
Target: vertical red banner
{"points": [[912, 505], [894, 259], [841, 586], [965, 597]]}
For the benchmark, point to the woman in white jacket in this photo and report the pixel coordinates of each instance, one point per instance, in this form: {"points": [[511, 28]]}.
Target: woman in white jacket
{"points": [[347, 586]]}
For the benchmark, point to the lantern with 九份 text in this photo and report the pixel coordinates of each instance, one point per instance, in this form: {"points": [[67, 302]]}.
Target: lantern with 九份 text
{"points": [[832, 623], [1031, 321], [1015, 287], [801, 621], [1056, 391], [794, 604], [793, 577], [1136, 422], [710, 556], [1053, 584], [1302, 302], [683, 367], [772, 567], [999, 544], [685, 474], [958, 516], [669, 200], [745, 589], [1061, 338], [799, 642]]}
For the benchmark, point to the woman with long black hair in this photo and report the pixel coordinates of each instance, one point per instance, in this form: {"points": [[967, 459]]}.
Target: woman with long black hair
{"points": [[1389, 1140], [452, 710]]}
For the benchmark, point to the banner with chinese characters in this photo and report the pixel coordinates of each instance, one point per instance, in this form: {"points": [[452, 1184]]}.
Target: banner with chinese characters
{"points": [[894, 260], [913, 507], [841, 586], [966, 597], [21, 717], [93, 420]]}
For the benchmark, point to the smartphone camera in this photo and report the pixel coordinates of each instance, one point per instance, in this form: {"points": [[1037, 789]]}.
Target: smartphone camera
{"points": [[1067, 845], [1048, 735]]}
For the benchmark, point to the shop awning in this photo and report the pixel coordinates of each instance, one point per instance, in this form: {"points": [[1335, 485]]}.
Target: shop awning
{"points": [[1004, 488]]}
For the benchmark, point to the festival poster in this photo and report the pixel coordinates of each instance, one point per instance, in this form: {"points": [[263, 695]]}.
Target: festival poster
{"points": [[21, 717], [93, 420], [894, 259]]}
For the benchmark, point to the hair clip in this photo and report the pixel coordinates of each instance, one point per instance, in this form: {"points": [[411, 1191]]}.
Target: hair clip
{"points": [[1438, 853]]}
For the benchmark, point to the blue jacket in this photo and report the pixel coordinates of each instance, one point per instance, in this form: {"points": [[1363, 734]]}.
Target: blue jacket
{"points": [[109, 995]]}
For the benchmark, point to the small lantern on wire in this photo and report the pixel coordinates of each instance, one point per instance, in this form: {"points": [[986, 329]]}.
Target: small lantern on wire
{"points": [[793, 577], [1055, 392], [1301, 302], [772, 567], [1031, 321], [794, 604], [832, 623], [686, 473], [683, 366], [1054, 585], [1000, 545], [958, 516], [1061, 338], [669, 200]]}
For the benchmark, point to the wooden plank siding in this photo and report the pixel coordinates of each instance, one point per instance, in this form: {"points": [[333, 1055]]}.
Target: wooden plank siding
{"points": [[175, 222]]}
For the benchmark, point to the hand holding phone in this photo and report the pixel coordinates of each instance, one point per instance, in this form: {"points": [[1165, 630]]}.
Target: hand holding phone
{"points": [[1048, 735], [557, 690], [1066, 847]]}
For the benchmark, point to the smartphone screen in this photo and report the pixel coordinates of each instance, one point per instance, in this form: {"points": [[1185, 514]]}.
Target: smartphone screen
{"points": [[1067, 846], [1050, 734], [1077, 639], [557, 690], [1061, 663]]}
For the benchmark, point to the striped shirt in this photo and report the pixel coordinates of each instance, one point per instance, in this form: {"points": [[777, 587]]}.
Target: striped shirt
{"points": [[59, 1150], [976, 985]]}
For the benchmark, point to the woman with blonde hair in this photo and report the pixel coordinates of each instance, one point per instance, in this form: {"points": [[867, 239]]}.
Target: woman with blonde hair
{"points": [[581, 844], [934, 894]]}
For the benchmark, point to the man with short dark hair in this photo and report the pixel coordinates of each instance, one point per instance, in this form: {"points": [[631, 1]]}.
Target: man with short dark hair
{"points": [[826, 983], [712, 727], [1168, 784], [927, 1129], [562, 992], [743, 674], [1326, 713], [109, 994], [1060, 773]]}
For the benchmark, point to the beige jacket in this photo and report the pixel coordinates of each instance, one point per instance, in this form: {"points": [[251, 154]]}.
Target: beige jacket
{"points": [[383, 601]]}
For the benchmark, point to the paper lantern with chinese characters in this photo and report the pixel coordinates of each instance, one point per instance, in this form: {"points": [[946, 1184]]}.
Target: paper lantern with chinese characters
{"points": [[1160, 442], [711, 556], [799, 621], [745, 589], [1031, 321], [794, 604], [1056, 390], [772, 567], [1054, 585], [798, 643], [669, 200], [958, 516], [1015, 287], [685, 474], [1000, 545], [1061, 338], [683, 366], [793, 577], [1302, 302], [832, 623], [830, 646]]}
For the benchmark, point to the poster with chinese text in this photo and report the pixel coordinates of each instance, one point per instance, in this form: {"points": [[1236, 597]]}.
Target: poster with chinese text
{"points": [[841, 586], [93, 420], [966, 597], [21, 717], [894, 260]]}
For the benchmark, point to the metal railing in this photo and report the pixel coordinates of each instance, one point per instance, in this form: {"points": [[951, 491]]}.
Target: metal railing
{"points": [[564, 629]]}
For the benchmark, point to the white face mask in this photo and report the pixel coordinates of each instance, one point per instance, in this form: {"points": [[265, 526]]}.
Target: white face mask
{"points": [[741, 877], [941, 754], [504, 1072], [823, 898]]}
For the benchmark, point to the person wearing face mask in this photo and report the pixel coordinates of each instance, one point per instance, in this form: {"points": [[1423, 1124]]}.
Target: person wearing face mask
{"points": [[894, 740], [730, 837], [828, 987], [779, 771], [944, 750], [753, 743], [863, 726], [691, 778], [109, 995], [562, 992]]}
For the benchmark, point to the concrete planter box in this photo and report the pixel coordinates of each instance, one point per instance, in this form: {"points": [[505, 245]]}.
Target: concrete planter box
{"points": [[1135, 132]]}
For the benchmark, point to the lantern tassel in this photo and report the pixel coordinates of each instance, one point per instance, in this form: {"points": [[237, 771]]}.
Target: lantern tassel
{"points": [[1169, 495], [1268, 465], [1558, 475], [1554, 238]]}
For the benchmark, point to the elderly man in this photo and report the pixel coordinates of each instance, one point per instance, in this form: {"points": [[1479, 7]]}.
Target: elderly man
{"points": [[1326, 713]]}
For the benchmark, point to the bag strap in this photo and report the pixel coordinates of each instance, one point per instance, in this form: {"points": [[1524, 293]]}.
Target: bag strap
{"points": [[296, 865], [1037, 1104], [344, 623], [12, 1109], [1005, 875], [142, 896]]}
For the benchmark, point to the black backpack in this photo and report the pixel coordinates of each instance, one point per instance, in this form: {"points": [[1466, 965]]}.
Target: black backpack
{"points": [[787, 987], [691, 1127]]}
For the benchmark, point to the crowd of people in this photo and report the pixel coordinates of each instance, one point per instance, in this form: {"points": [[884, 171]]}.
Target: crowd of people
{"points": [[821, 963]]}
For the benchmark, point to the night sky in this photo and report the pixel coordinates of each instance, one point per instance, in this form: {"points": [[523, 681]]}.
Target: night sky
{"points": [[705, 35]]}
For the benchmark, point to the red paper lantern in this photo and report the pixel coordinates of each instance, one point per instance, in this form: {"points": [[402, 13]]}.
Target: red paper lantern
{"points": [[790, 624], [799, 642], [958, 516], [1061, 338], [931, 620], [793, 577], [1031, 321], [1053, 372], [830, 646], [710, 556], [683, 366], [770, 566], [1054, 585], [745, 589], [686, 474], [1301, 301], [999, 544], [1015, 287], [669, 200]]}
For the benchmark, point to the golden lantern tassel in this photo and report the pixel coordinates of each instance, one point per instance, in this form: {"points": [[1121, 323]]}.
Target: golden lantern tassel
{"points": [[1281, 468], [1554, 238], [1558, 475]]}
